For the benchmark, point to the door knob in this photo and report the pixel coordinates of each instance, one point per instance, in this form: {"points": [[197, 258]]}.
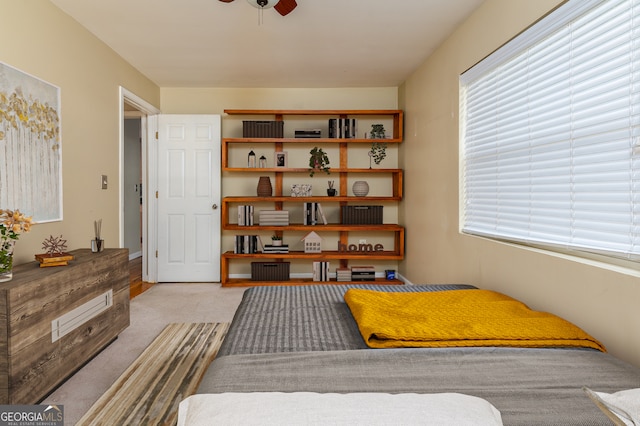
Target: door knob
{"points": [[215, 206]]}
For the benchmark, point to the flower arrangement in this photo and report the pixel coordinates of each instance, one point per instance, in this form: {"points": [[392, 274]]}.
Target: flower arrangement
{"points": [[12, 224]]}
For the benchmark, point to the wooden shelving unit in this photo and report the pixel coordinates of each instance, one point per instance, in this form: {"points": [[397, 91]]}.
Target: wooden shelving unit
{"points": [[342, 199]]}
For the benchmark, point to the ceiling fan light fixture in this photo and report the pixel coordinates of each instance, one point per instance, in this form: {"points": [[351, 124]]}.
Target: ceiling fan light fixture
{"points": [[262, 4]]}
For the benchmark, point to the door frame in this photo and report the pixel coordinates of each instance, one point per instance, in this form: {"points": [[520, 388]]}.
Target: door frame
{"points": [[149, 179]]}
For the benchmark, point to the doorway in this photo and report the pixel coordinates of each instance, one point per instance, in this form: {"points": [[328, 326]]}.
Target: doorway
{"points": [[133, 108], [132, 194]]}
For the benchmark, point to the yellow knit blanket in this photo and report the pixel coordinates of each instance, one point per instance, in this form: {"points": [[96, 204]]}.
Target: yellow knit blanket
{"points": [[458, 318]]}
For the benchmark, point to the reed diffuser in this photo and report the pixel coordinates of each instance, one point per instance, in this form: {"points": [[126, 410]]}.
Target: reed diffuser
{"points": [[97, 244]]}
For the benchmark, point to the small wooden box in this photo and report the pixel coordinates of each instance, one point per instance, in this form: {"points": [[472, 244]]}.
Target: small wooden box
{"points": [[270, 271]]}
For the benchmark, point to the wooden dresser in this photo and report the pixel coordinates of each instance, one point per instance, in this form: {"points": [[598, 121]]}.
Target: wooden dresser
{"points": [[53, 320]]}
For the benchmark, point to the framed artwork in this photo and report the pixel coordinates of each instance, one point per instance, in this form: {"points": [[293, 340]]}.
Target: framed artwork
{"points": [[30, 145], [281, 159]]}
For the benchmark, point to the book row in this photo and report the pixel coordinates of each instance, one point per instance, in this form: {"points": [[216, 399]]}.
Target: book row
{"points": [[343, 128], [312, 215], [320, 271]]}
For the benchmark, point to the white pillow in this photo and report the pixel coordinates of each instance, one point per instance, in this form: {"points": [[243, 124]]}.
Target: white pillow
{"points": [[307, 408], [622, 408]]}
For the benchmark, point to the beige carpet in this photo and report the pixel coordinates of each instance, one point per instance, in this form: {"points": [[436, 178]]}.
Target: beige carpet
{"points": [[169, 370]]}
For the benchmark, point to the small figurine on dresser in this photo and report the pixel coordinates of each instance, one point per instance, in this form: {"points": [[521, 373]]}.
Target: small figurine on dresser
{"points": [[55, 252]]}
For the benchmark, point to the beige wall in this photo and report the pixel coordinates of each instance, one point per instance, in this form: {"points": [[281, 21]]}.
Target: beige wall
{"points": [[216, 100], [39, 39], [602, 301]]}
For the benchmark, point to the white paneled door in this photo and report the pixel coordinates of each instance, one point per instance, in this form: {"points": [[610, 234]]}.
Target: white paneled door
{"points": [[188, 198]]}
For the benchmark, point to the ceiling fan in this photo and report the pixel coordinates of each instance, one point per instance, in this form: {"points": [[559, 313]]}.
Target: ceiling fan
{"points": [[283, 7]]}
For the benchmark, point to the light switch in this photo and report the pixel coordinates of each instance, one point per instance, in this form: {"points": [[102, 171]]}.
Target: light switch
{"points": [[104, 182]]}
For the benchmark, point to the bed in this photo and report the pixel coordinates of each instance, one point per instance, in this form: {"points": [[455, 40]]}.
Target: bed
{"points": [[304, 339]]}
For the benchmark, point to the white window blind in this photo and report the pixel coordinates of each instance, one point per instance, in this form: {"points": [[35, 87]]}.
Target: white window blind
{"points": [[550, 133]]}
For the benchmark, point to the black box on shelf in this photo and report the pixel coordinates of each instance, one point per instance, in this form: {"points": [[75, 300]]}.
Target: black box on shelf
{"points": [[362, 215], [308, 134], [263, 129], [270, 271]]}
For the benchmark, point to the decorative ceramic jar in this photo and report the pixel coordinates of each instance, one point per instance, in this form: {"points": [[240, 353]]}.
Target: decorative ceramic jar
{"points": [[360, 188], [264, 187]]}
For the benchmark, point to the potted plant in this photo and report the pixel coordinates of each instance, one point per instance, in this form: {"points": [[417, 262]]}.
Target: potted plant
{"points": [[377, 131], [276, 240], [318, 161]]}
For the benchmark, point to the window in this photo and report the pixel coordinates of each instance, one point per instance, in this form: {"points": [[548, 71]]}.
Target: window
{"points": [[550, 133]]}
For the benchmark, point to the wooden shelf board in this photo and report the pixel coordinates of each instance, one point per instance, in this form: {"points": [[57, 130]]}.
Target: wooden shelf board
{"points": [[307, 140], [330, 255], [283, 198], [313, 111], [306, 170], [390, 227], [246, 282]]}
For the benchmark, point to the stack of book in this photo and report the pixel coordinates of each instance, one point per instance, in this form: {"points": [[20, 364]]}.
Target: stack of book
{"points": [[343, 128], [245, 215], [363, 273], [308, 133], [343, 274], [312, 214], [247, 244], [268, 248], [58, 259], [274, 218], [320, 271]]}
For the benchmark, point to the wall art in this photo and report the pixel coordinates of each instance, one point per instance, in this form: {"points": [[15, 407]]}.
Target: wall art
{"points": [[30, 145]]}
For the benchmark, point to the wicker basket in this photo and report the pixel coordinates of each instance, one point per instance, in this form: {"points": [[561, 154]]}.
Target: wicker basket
{"points": [[270, 271], [362, 215], [263, 129]]}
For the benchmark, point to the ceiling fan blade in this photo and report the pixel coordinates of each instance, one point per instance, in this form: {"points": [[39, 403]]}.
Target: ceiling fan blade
{"points": [[284, 7]]}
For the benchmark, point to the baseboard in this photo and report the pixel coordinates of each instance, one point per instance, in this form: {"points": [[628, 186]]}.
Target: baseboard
{"points": [[135, 255]]}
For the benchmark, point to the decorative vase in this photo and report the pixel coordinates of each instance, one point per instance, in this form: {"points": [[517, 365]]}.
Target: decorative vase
{"points": [[276, 243], [264, 187], [6, 260], [360, 188], [331, 192]]}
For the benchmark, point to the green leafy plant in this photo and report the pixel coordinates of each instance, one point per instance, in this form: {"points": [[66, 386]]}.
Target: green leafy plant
{"points": [[378, 152], [318, 161], [377, 131], [12, 224], [276, 237]]}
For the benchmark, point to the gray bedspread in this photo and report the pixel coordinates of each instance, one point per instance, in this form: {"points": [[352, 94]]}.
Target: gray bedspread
{"points": [[302, 318], [529, 386], [303, 338]]}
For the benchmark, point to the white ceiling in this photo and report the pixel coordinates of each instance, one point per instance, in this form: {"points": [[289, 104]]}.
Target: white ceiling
{"points": [[322, 43]]}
